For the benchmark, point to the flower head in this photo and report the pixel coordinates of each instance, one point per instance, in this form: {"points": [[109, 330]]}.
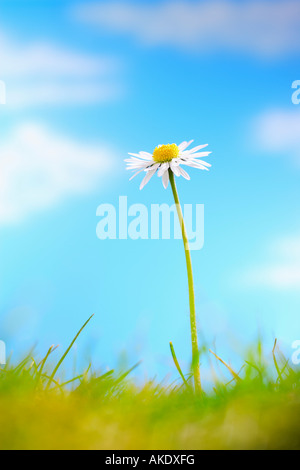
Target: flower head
{"points": [[165, 158]]}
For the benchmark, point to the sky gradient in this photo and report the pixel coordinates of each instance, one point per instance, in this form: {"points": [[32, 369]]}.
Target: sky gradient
{"points": [[88, 83]]}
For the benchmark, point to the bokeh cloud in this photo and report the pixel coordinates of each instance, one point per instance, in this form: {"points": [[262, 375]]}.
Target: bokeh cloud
{"points": [[282, 272], [44, 73], [262, 28], [39, 169], [277, 132]]}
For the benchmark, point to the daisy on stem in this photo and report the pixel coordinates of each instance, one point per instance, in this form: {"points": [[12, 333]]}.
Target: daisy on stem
{"points": [[167, 161]]}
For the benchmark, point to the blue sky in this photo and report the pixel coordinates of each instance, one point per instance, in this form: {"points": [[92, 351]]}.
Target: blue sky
{"points": [[84, 87]]}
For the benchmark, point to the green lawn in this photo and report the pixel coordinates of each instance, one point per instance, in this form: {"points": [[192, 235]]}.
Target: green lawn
{"points": [[258, 409]]}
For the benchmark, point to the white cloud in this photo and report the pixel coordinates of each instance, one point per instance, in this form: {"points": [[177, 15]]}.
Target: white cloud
{"points": [[280, 277], [278, 132], [46, 60], [265, 28], [288, 247], [39, 169], [43, 73], [282, 272], [61, 94]]}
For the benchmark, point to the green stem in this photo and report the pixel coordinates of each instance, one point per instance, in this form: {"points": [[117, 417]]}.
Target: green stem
{"points": [[193, 320]]}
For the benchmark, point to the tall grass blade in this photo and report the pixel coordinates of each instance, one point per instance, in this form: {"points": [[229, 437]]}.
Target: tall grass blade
{"points": [[275, 360], [177, 364], [43, 362], [123, 376], [234, 374], [66, 353]]}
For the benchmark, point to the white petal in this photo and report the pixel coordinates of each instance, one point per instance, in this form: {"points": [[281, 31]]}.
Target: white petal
{"points": [[199, 147], [147, 178], [201, 162], [175, 168], [165, 179], [133, 160], [184, 173], [135, 175], [137, 162], [184, 145], [197, 155], [141, 156], [146, 155], [195, 165], [164, 167], [153, 167], [137, 166]]}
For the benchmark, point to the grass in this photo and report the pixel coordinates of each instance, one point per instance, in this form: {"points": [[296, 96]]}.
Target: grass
{"points": [[258, 409]]}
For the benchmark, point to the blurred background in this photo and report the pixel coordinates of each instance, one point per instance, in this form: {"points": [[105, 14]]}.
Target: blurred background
{"points": [[86, 83]]}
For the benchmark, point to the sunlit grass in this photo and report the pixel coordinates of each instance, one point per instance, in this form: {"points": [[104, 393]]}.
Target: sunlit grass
{"points": [[258, 409]]}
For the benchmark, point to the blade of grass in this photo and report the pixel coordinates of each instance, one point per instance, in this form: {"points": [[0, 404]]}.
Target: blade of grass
{"points": [[66, 353], [286, 361], [95, 380], [177, 364], [285, 367], [275, 361], [50, 351], [79, 377], [255, 367], [123, 376], [44, 376], [234, 374], [238, 374], [86, 372], [106, 375], [22, 364], [43, 362]]}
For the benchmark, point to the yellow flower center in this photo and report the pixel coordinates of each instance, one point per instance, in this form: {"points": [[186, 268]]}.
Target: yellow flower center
{"points": [[165, 153]]}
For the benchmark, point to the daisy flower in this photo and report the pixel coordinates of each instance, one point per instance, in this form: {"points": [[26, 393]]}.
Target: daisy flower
{"points": [[167, 161], [165, 158]]}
